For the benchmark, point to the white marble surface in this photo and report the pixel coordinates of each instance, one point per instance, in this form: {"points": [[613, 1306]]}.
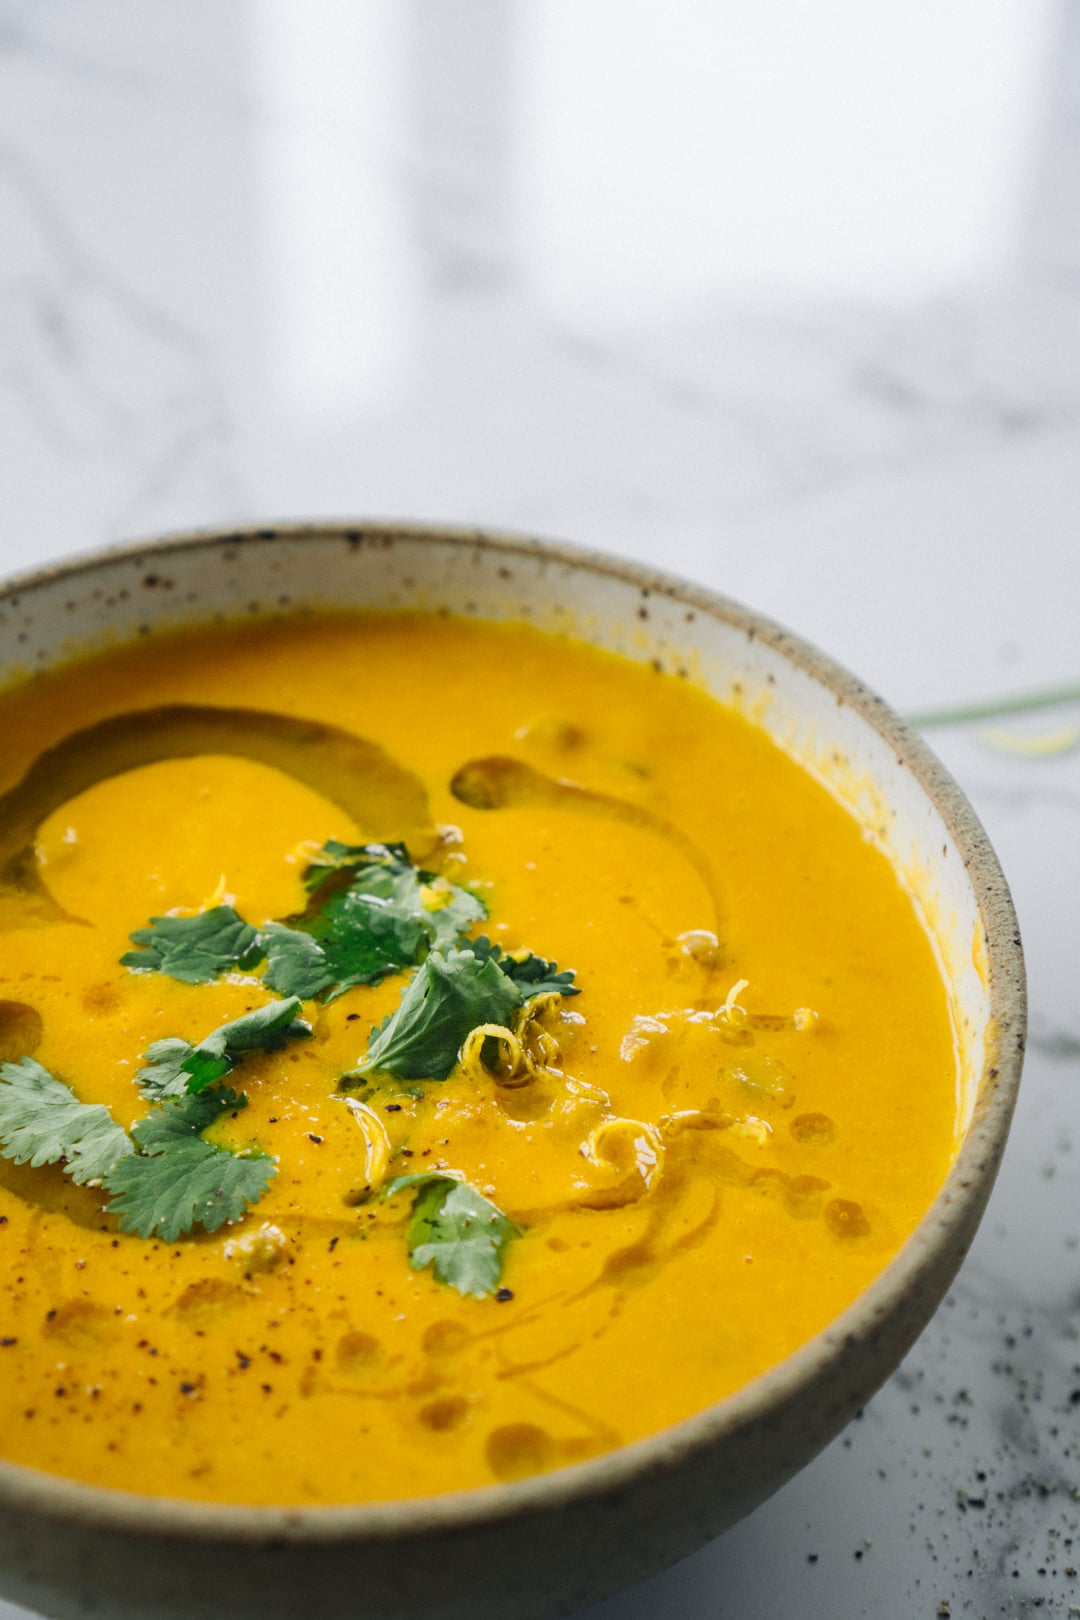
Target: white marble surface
{"points": [[785, 297]]}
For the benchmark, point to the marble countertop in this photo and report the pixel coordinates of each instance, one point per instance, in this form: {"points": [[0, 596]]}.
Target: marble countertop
{"points": [[785, 298]]}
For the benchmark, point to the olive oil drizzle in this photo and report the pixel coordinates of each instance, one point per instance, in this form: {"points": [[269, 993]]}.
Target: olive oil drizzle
{"points": [[355, 774], [499, 782]]}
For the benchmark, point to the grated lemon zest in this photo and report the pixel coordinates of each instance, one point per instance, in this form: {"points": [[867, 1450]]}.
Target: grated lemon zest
{"points": [[377, 1145], [436, 895], [644, 1139], [730, 1015], [220, 896]]}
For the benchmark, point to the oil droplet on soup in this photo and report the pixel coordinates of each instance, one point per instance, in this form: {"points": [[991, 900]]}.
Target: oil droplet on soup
{"points": [[612, 1209]]}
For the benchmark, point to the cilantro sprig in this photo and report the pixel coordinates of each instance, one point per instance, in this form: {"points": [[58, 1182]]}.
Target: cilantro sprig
{"points": [[195, 949], [43, 1122], [447, 998], [353, 932], [370, 913], [455, 1230], [177, 1066], [163, 1178], [177, 1180], [532, 974], [337, 857], [451, 994]]}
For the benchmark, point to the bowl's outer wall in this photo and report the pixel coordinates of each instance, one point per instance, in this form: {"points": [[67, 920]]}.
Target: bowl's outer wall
{"points": [[543, 1547]]}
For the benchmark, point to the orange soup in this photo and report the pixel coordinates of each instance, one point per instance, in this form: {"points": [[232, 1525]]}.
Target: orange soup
{"points": [[433, 1053]]}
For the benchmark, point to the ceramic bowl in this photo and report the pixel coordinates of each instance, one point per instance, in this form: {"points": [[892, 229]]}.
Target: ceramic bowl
{"points": [[542, 1546]]}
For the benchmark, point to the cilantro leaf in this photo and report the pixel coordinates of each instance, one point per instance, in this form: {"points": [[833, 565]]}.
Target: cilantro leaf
{"points": [[296, 963], [265, 1029], [532, 974], [449, 996], [334, 856], [456, 1231], [195, 949], [177, 1067], [361, 933], [449, 912], [177, 1180], [371, 913], [164, 1073], [43, 1122]]}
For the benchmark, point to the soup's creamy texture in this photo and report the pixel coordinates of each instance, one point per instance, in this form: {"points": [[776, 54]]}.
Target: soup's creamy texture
{"points": [[702, 1171]]}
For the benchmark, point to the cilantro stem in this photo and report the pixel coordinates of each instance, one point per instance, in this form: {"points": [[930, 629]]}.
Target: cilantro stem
{"points": [[1050, 697]]}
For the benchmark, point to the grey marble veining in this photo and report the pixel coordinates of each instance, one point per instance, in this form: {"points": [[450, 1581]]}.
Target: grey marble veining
{"points": [[786, 299]]}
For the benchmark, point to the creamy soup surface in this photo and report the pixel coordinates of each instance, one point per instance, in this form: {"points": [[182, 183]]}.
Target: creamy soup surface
{"points": [[626, 1201]]}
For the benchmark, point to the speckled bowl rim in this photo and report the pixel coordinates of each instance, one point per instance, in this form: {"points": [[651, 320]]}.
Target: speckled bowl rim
{"points": [[948, 1224]]}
